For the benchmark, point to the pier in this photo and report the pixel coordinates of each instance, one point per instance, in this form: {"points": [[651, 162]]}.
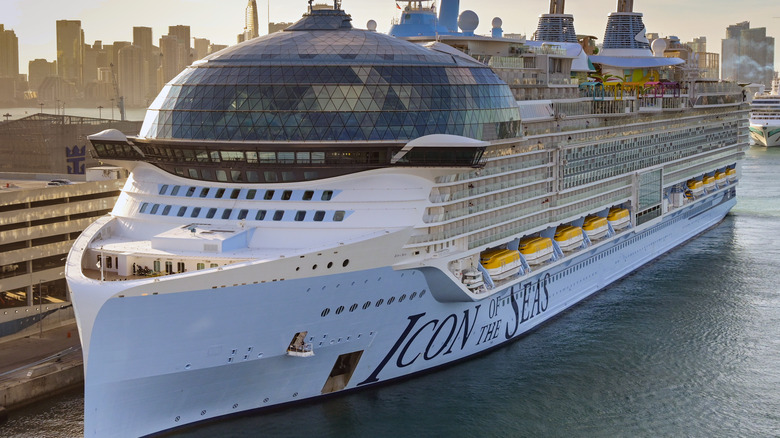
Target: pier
{"points": [[38, 365]]}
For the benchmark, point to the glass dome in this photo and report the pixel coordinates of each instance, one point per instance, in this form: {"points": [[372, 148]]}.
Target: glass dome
{"points": [[321, 80]]}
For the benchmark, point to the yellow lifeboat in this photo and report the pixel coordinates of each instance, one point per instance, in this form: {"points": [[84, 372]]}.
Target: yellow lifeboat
{"points": [[595, 227], [618, 218], [709, 182], [720, 178], [536, 250], [501, 263], [568, 237], [731, 174], [696, 187]]}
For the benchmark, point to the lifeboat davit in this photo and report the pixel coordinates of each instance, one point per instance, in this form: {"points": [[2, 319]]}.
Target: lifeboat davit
{"points": [[568, 237], [536, 250], [595, 227], [501, 263], [618, 218]]}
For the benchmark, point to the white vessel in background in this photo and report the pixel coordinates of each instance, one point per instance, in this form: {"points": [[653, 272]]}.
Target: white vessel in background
{"points": [[326, 208], [765, 116]]}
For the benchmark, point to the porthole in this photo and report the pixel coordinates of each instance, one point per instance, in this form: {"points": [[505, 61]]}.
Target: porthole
{"points": [[422, 292], [325, 313], [314, 267], [390, 301], [330, 265], [366, 305], [353, 307], [339, 310], [345, 263], [297, 268], [401, 298], [380, 302], [414, 294]]}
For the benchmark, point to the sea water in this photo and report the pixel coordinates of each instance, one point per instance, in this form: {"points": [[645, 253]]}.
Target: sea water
{"points": [[687, 346]]}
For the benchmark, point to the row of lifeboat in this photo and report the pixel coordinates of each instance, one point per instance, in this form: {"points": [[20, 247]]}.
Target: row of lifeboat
{"points": [[709, 182], [502, 263]]}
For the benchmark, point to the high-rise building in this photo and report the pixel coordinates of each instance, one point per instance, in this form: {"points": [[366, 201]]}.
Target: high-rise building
{"points": [[40, 69], [133, 75], [171, 59], [9, 53], [183, 34], [276, 27], [142, 38], [70, 51], [95, 57], [748, 55], [201, 46], [251, 23]]}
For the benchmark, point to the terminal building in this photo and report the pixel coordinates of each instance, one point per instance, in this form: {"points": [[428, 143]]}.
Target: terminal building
{"points": [[50, 190]]}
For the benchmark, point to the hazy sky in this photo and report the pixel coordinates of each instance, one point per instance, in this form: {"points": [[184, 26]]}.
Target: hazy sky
{"points": [[221, 20]]}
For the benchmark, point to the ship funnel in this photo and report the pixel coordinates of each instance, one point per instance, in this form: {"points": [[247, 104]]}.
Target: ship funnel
{"points": [[448, 14], [625, 34], [556, 26]]}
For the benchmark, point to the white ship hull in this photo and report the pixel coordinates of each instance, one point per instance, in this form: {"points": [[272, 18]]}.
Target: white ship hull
{"points": [[765, 134], [156, 362]]}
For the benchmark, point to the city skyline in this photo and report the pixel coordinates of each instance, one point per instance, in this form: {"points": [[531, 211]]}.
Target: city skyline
{"points": [[35, 28]]}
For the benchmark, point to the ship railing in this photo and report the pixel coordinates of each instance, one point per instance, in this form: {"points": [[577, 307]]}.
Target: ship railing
{"points": [[484, 189]]}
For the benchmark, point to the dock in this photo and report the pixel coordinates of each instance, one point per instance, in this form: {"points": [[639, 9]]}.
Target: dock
{"points": [[39, 365]]}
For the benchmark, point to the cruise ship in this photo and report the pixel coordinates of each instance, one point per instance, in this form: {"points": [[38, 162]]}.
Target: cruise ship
{"points": [[765, 117], [327, 208]]}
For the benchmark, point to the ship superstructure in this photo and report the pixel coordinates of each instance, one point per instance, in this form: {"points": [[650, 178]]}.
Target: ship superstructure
{"points": [[765, 116], [326, 208]]}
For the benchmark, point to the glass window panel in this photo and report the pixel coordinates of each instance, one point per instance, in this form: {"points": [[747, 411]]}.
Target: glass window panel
{"points": [[242, 214], [278, 215], [181, 212], [260, 215], [210, 214], [226, 214], [221, 175], [195, 212], [250, 194]]}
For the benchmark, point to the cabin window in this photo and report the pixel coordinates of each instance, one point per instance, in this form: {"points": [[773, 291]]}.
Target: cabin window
{"points": [[307, 195], [300, 215], [326, 195], [213, 265], [338, 216], [155, 207], [195, 212], [201, 266], [220, 192], [210, 214], [144, 206], [226, 214], [204, 192], [260, 215], [166, 210], [278, 214], [250, 194], [269, 194], [169, 267], [191, 190], [180, 267], [221, 175], [163, 189], [234, 193], [286, 195], [319, 215], [181, 212], [175, 190], [242, 214]]}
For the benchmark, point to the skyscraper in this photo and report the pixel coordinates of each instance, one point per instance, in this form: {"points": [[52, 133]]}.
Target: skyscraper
{"points": [[133, 75], [748, 55], [40, 69], [251, 23], [70, 51], [9, 53], [142, 38]]}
